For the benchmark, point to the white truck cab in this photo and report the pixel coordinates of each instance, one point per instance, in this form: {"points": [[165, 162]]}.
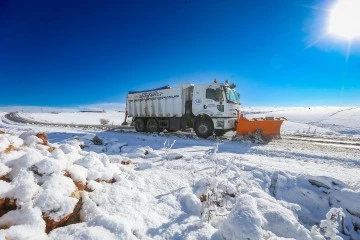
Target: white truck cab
{"points": [[207, 108], [219, 102]]}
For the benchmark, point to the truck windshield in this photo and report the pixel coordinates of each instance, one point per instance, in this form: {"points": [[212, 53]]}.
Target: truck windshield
{"points": [[231, 95]]}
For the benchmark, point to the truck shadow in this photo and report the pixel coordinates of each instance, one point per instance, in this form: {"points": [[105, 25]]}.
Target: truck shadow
{"points": [[59, 137]]}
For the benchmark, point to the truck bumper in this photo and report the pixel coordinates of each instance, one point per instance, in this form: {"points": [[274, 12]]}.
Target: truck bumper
{"points": [[224, 123]]}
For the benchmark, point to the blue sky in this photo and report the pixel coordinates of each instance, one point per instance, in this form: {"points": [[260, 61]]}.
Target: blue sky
{"points": [[67, 53]]}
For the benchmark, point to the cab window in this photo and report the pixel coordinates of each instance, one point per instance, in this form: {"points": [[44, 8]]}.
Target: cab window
{"points": [[214, 94]]}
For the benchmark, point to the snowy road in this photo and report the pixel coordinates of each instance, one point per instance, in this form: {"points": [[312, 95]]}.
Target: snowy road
{"points": [[18, 119]]}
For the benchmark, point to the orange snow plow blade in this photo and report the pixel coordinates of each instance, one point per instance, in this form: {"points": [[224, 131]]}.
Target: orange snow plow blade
{"points": [[268, 127]]}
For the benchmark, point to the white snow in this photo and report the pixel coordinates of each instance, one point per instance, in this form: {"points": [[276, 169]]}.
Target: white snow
{"points": [[244, 221], [4, 142], [23, 188], [25, 216], [150, 186]]}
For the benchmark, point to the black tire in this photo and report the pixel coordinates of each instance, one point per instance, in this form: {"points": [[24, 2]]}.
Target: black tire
{"points": [[204, 128], [152, 125], [170, 131], [219, 132], [140, 125]]}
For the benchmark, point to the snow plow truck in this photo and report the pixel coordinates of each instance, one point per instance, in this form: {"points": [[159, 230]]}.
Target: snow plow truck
{"points": [[207, 108]]}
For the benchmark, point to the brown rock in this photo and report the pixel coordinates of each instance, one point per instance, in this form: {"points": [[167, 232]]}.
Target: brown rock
{"points": [[5, 178], [107, 181], [43, 137], [76, 194], [67, 174], [2, 203], [128, 162], [75, 216], [203, 198], [52, 224], [7, 205], [51, 149], [81, 186], [9, 149], [72, 218]]}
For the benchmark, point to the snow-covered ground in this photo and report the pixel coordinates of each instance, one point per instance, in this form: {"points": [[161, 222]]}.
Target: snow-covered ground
{"points": [[301, 120], [158, 186], [93, 118]]}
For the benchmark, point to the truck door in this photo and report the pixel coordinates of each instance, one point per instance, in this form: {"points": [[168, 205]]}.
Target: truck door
{"points": [[208, 100]]}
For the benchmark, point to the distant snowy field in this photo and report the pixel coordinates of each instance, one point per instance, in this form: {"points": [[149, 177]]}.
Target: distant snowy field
{"points": [[328, 120], [159, 186], [90, 118]]}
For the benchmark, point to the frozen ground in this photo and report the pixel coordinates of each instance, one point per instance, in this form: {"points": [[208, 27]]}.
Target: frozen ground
{"points": [[145, 186]]}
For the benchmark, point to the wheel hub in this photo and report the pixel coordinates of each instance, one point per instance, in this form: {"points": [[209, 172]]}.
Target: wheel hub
{"points": [[203, 128], [152, 125]]}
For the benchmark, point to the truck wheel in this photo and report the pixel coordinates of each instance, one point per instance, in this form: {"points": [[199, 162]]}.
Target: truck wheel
{"points": [[140, 125], [170, 131], [152, 125], [204, 128]]}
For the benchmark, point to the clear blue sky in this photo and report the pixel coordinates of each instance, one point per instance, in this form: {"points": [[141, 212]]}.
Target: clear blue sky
{"points": [[66, 53]]}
